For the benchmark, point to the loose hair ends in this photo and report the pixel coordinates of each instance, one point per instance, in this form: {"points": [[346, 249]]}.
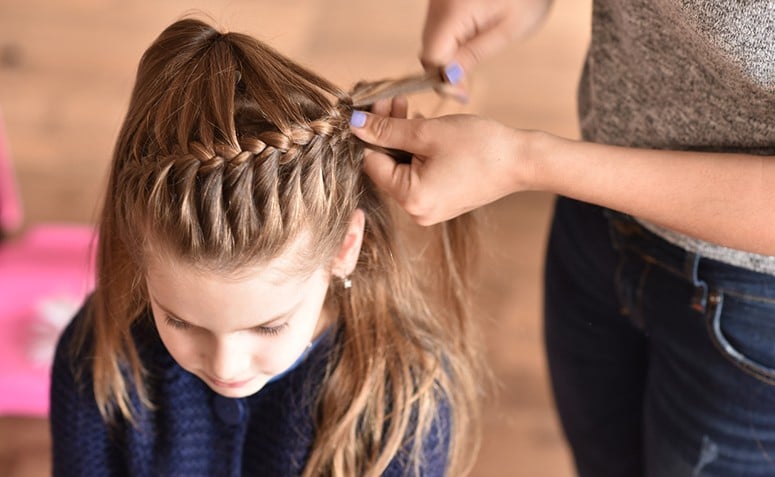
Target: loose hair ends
{"points": [[459, 242], [428, 349], [104, 340]]}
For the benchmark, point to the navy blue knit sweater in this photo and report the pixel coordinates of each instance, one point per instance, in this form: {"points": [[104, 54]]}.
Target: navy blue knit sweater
{"points": [[194, 431]]}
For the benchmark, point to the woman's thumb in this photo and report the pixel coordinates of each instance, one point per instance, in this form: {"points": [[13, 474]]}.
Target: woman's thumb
{"points": [[394, 133]]}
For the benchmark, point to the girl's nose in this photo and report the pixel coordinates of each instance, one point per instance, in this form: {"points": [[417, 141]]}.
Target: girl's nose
{"points": [[230, 362]]}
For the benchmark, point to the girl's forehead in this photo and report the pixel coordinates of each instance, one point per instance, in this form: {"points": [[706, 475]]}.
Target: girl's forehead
{"points": [[250, 291], [296, 262]]}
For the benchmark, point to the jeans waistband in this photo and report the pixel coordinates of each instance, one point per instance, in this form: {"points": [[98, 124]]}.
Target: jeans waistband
{"points": [[628, 235]]}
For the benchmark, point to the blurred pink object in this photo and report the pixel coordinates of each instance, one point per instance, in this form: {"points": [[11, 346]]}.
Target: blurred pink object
{"points": [[10, 209], [45, 275]]}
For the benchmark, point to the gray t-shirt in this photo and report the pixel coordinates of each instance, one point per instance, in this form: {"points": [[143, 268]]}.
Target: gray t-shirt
{"points": [[683, 75]]}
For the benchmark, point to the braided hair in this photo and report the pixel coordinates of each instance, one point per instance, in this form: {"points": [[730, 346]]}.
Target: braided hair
{"points": [[229, 151]]}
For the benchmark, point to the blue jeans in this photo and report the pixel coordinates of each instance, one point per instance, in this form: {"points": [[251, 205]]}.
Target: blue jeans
{"points": [[662, 361]]}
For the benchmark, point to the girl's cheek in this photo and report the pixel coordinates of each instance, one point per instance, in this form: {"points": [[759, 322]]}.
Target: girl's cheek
{"points": [[185, 349], [276, 355]]}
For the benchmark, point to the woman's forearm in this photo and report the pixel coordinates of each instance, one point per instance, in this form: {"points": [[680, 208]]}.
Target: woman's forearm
{"points": [[718, 197]]}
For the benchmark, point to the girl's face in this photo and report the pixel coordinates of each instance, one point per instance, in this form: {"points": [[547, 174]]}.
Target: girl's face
{"points": [[235, 334]]}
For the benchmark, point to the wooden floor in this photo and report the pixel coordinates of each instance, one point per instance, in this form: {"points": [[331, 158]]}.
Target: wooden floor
{"points": [[66, 69]]}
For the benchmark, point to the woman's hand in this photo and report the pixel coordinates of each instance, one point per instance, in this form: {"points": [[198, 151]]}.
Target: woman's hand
{"points": [[459, 162], [461, 33]]}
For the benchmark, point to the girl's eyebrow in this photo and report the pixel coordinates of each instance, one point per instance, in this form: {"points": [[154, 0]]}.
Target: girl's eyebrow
{"points": [[267, 322]]}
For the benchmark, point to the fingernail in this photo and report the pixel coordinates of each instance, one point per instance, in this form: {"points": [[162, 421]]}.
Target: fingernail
{"points": [[453, 72], [358, 119]]}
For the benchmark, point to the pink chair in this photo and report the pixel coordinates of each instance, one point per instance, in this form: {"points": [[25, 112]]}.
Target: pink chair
{"points": [[45, 273]]}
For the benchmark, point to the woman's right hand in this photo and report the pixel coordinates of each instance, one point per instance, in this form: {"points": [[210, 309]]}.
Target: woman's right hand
{"points": [[461, 33], [459, 162]]}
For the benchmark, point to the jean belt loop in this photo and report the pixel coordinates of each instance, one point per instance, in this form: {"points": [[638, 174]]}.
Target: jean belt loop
{"points": [[700, 297]]}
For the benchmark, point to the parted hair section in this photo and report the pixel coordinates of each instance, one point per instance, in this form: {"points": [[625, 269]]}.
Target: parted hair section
{"points": [[229, 153]]}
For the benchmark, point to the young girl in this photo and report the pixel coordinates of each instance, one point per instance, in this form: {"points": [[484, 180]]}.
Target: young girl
{"points": [[253, 313]]}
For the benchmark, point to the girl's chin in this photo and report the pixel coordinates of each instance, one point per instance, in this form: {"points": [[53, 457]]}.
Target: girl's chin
{"points": [[235, 393]]}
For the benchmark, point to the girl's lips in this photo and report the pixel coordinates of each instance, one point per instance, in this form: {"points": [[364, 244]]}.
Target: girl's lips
{"points": [[229, 384]]}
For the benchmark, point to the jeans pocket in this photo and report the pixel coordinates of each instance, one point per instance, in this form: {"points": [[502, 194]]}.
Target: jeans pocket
{"points": [[742, 328]]}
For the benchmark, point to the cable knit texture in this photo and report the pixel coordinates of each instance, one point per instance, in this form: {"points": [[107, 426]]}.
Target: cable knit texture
{"points": [[194, 431], [683, 75]]}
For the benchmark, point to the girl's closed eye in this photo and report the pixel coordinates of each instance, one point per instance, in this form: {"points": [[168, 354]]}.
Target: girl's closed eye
{"points": [[273, 330], [175, 323], [269, 330]]}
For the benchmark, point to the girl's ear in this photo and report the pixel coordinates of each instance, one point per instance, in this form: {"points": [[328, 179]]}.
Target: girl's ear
{"points": [[347, 257]]}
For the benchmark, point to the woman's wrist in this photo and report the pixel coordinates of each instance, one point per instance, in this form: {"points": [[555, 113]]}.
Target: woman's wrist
{"points": [[530, 164]]}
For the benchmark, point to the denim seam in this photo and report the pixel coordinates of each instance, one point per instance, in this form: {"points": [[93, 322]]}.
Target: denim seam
{"points": [[653, 261], [624, 305], [640, 316], [746, 296], [631, 305]]}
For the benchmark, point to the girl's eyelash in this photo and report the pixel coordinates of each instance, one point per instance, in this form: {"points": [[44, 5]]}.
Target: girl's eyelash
{"points": [[181, 325], [272, 330], [266, 330]]}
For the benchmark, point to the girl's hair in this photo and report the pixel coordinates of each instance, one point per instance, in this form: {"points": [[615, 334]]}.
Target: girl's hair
{"points": [[229, 152]]}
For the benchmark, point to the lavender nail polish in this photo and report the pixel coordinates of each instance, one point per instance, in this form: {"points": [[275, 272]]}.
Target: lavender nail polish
{"points": [[453, 72], [358, 119]]}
